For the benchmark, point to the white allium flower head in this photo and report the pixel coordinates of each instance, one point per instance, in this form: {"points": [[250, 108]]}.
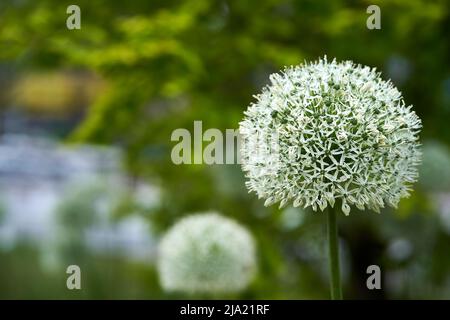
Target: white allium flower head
{"points": [[326, 131], [206, 253], [435, 167]]}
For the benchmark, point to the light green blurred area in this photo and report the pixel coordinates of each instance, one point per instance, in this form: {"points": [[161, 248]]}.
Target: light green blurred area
{"points": [[137, 70]]}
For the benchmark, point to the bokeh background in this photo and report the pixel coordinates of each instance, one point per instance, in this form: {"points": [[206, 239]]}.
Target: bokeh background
{"points": [[86, 118]]}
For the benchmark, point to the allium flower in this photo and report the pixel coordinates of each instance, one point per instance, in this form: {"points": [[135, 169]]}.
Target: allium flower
{"points": [[435, 167], [206, 253], [325, 131]]}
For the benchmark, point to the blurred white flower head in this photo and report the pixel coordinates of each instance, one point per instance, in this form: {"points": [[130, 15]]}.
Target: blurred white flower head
{"points": [[342, 133], [435, 167], [206, 253]]}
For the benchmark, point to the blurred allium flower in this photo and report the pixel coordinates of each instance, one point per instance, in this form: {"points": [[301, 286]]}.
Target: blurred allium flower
{"points": [[206, 253], [341, 132], [435, 167]]}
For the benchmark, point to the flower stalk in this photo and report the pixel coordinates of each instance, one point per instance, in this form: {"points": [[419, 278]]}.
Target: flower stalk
{"points": [[333, 255]]}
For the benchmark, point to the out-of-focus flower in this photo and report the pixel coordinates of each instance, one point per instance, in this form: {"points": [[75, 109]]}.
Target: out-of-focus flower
{"points": [[435, 167], [291, 218], [326, 131], [206, 253], [400, 249]]}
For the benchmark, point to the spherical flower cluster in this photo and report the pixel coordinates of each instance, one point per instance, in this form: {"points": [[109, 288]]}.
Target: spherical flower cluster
{"points": [[326, 131], [206, 253], [435, 167]]}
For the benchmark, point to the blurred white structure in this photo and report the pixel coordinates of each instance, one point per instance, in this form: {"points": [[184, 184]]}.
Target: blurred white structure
{"points": [[34, 175]]}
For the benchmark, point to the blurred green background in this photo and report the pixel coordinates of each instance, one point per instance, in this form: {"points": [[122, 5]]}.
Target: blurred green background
{"points": [[86, 118]]}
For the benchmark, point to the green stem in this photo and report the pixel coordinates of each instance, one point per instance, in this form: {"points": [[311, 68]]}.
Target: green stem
{"points": [[333, 256]]}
